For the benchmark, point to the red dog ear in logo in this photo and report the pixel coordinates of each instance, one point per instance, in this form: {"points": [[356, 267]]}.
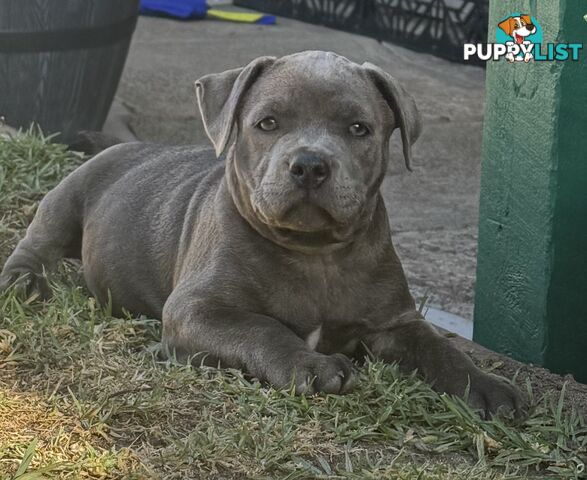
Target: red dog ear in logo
{"points": [[509, 25]]}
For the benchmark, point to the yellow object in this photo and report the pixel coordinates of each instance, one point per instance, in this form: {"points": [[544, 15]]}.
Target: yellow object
{"points": [[235, 16]]}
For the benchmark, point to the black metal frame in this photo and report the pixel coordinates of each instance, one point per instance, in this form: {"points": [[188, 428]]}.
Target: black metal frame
{"points": [[440, 27]]}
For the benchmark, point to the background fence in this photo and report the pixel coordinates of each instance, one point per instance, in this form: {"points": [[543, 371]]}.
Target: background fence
{"points": [[440, 27]]}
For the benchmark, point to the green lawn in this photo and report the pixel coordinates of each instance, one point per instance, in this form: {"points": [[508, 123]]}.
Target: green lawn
{"points": [[82, 395]]}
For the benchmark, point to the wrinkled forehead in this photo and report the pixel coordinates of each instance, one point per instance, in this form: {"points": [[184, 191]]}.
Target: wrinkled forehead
{"points": [[317, 81]]}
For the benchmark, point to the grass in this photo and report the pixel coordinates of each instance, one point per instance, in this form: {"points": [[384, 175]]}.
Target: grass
{"points": [[83, 395]]}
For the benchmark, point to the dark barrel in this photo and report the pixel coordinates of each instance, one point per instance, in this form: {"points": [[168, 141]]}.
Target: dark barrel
{"points": [[61, 60]]}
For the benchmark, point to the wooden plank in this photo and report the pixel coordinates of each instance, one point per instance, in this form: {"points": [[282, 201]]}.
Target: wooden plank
{"points": [[532, 261]]}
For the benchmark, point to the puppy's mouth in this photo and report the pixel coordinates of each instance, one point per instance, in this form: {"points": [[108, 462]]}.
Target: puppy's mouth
{"points": [[518, 38], [306, 217], [295, 221], [305, 224]]}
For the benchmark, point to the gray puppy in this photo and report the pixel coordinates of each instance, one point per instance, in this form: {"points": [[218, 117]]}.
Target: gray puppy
{"points": [[276, 259]]}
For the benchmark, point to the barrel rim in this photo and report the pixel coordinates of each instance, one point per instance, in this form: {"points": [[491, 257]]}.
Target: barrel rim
{"points": [[66, 39]]}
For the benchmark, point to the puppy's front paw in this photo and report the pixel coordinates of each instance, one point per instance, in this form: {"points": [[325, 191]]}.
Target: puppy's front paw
{"points": [[492, 395], [25, 283], [487, 393], [315, 372]]}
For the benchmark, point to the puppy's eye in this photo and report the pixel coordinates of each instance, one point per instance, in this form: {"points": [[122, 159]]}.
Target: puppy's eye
{"points": [[358, 130], [267, 124]]}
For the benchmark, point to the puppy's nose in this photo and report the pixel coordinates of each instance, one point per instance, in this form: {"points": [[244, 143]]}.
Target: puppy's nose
{"points": [[309, 170]]}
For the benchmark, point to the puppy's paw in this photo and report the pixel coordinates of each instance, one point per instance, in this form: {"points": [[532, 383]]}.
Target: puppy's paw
{"points": [[315, 372], [484, 392], [491, 395], [25, 284]]}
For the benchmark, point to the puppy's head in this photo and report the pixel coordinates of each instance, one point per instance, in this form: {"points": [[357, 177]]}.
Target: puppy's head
{"points": [[307, 138], [518, 27]]}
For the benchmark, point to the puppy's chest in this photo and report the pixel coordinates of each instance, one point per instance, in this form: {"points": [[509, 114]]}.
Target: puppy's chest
{"points": [[320, 299]]}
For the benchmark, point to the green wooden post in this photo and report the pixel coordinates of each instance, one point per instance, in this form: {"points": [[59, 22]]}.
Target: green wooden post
{"points": [[531, 300]]}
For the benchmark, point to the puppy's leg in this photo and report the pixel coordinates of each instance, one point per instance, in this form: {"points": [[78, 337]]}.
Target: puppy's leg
{"points": [[415, 344], [196, 329], [54, 233]]}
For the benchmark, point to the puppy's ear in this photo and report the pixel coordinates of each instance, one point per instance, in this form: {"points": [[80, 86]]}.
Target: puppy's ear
{"points": [[219, 96], [507, 26], [527, 19], [402, 105]]}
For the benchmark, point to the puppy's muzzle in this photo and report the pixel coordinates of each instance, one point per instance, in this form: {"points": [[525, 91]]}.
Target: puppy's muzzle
{"points": [[309, 170]]}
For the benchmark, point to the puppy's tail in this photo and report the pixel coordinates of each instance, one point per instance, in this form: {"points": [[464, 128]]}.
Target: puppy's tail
{"points": [[92, 143]]}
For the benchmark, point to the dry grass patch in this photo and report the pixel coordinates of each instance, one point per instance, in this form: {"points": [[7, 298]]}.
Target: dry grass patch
{"points": [[62, 445]]}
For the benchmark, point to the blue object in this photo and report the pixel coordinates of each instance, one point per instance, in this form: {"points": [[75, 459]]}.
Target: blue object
{"points": [[267, 20], [175, 8]]}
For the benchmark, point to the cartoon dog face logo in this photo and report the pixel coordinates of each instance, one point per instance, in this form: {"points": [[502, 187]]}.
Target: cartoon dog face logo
{"points": [[519, 28]]}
